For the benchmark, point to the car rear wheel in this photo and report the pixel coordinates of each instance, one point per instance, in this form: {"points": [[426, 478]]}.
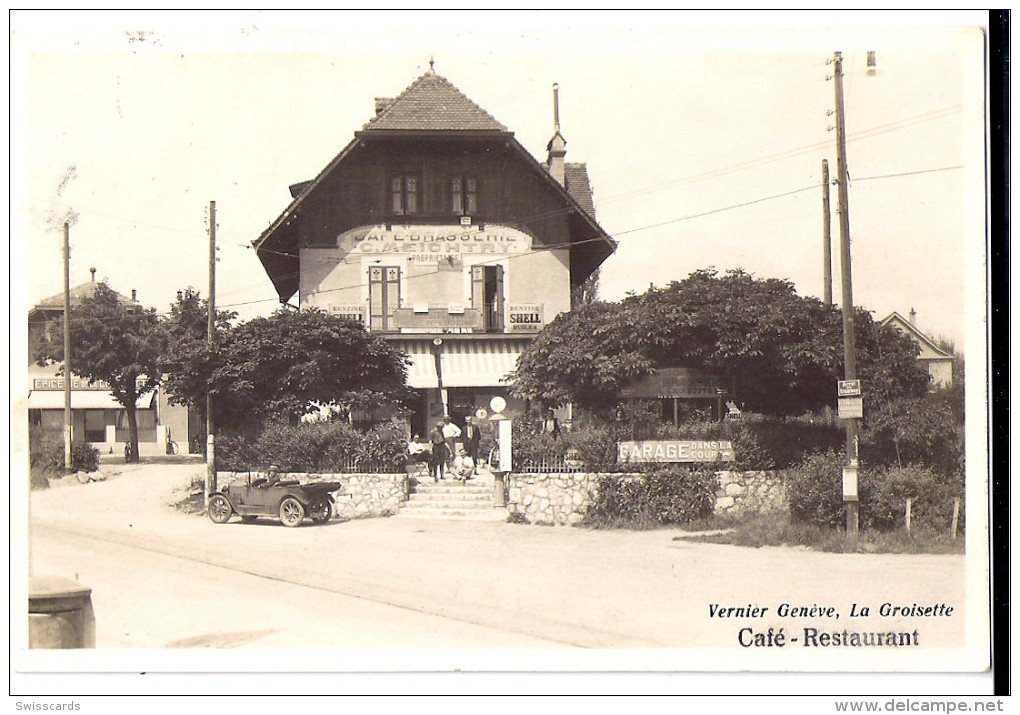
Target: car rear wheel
{"points": [[291, 512], [321, 510], [219, 509]]}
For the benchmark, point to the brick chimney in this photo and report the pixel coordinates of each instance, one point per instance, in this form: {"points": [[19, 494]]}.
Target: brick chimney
{"points": [[913, 317], [557, 146]]}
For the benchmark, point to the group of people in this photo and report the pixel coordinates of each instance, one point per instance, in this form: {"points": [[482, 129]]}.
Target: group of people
{"points": [[444, 455]]}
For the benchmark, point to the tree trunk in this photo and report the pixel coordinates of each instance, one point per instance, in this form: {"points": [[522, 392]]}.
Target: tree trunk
{"points": [[132, 429]]}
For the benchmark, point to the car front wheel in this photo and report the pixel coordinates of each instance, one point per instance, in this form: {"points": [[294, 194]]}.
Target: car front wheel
{"points": [[321, 511], [291, 512], [219, 509]]}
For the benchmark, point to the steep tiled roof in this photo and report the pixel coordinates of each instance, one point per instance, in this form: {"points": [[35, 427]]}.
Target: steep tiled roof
{"points": [[576, 184], [431, 103]]}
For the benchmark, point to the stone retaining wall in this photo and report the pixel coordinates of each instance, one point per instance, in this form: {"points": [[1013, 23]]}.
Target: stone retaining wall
{"points": [[564, 498], [742, 493], [363, 495], [550, 498]]}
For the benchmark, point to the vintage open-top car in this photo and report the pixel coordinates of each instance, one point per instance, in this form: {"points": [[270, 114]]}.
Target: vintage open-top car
{"points": [[289, 500]]}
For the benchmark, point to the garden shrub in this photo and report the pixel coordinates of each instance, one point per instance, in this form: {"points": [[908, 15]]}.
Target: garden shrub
{"points": [[884, 496], [922, 431], [764, 443], [660, 496], [324, 447], [815, 490], [46, 457]]}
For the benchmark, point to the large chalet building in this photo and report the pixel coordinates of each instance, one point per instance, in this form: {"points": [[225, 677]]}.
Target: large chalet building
{"points": [[436, 229]]}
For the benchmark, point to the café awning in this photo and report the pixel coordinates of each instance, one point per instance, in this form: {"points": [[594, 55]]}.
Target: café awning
{"points": [[464, 362]]}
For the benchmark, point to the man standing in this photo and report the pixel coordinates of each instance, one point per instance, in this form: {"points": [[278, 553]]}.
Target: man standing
{"points": [[472, 441], [452, 433]]}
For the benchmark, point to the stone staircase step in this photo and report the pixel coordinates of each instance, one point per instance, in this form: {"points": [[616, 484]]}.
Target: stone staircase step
{"points": [[488, 514], [453, 499]]}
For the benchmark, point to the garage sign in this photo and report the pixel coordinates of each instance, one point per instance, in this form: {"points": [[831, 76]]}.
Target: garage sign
{"points": [[676, 451]]}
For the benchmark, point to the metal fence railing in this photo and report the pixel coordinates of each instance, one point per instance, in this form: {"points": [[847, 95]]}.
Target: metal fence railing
{"points": [[548, 465], [356, 465]]}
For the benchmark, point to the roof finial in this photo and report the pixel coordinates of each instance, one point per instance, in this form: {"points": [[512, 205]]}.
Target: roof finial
{"points": [[432, 64]]}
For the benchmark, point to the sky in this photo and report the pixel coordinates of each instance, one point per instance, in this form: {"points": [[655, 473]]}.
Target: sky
{"points": [[704, 140]]}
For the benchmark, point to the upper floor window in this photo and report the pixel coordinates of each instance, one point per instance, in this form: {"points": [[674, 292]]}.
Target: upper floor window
{"points": [[404, 194], [487, 295], [383, 296], [465, 195]]}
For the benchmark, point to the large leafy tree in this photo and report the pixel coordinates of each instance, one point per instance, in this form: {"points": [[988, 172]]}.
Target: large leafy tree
{"points": [[115, 341], [187, 363], [273, 367], [783, 352]]}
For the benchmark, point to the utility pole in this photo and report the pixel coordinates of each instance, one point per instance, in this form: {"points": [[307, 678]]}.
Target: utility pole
{"points": [[67, 347], [210, 439], [850, 496], [826, 236]]}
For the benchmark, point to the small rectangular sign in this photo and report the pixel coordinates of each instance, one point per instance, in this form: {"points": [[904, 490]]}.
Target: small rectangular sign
{"points": [[719, 450], [850, 483], [851, 408], [848, 388], [351, 312], [524, 318]]}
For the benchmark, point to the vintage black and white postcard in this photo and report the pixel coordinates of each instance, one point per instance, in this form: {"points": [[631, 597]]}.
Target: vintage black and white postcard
{"points": [[500, 342]]}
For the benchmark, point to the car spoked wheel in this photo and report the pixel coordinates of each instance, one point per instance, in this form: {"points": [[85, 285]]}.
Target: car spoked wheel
{"points": [[219, 509], [321, 511], [291, 512]]}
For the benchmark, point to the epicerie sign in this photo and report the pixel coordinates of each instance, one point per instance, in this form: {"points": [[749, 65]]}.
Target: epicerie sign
{"points": [[77, 383], [436, 240], [676, 451], [525, 318]]}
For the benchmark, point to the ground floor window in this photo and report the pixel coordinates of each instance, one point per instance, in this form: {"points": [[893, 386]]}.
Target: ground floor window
{"points": [[95, 426], [146, 426]]}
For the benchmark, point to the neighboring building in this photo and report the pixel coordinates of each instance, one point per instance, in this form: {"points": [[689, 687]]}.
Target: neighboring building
{"points": [[938, 361], [436, 229], [96, 415]]}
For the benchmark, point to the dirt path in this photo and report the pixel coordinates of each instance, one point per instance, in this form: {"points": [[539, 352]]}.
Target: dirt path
{"points": [[593, 589]]}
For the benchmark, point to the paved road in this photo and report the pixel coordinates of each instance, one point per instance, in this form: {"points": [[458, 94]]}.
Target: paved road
{"points": [[165, 579]]}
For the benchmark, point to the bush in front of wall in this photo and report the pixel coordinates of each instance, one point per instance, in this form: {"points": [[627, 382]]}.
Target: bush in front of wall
{"points": [[815, 489], [47, 456], [324, 448], [660, 496], [884, 499]]}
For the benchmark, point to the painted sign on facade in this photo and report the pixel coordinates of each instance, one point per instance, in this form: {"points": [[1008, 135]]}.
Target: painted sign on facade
{"points": [[524, 318], [437, 320], [676, 382], [77, 383], [352, 312], [435, 241], [676, 451]]}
